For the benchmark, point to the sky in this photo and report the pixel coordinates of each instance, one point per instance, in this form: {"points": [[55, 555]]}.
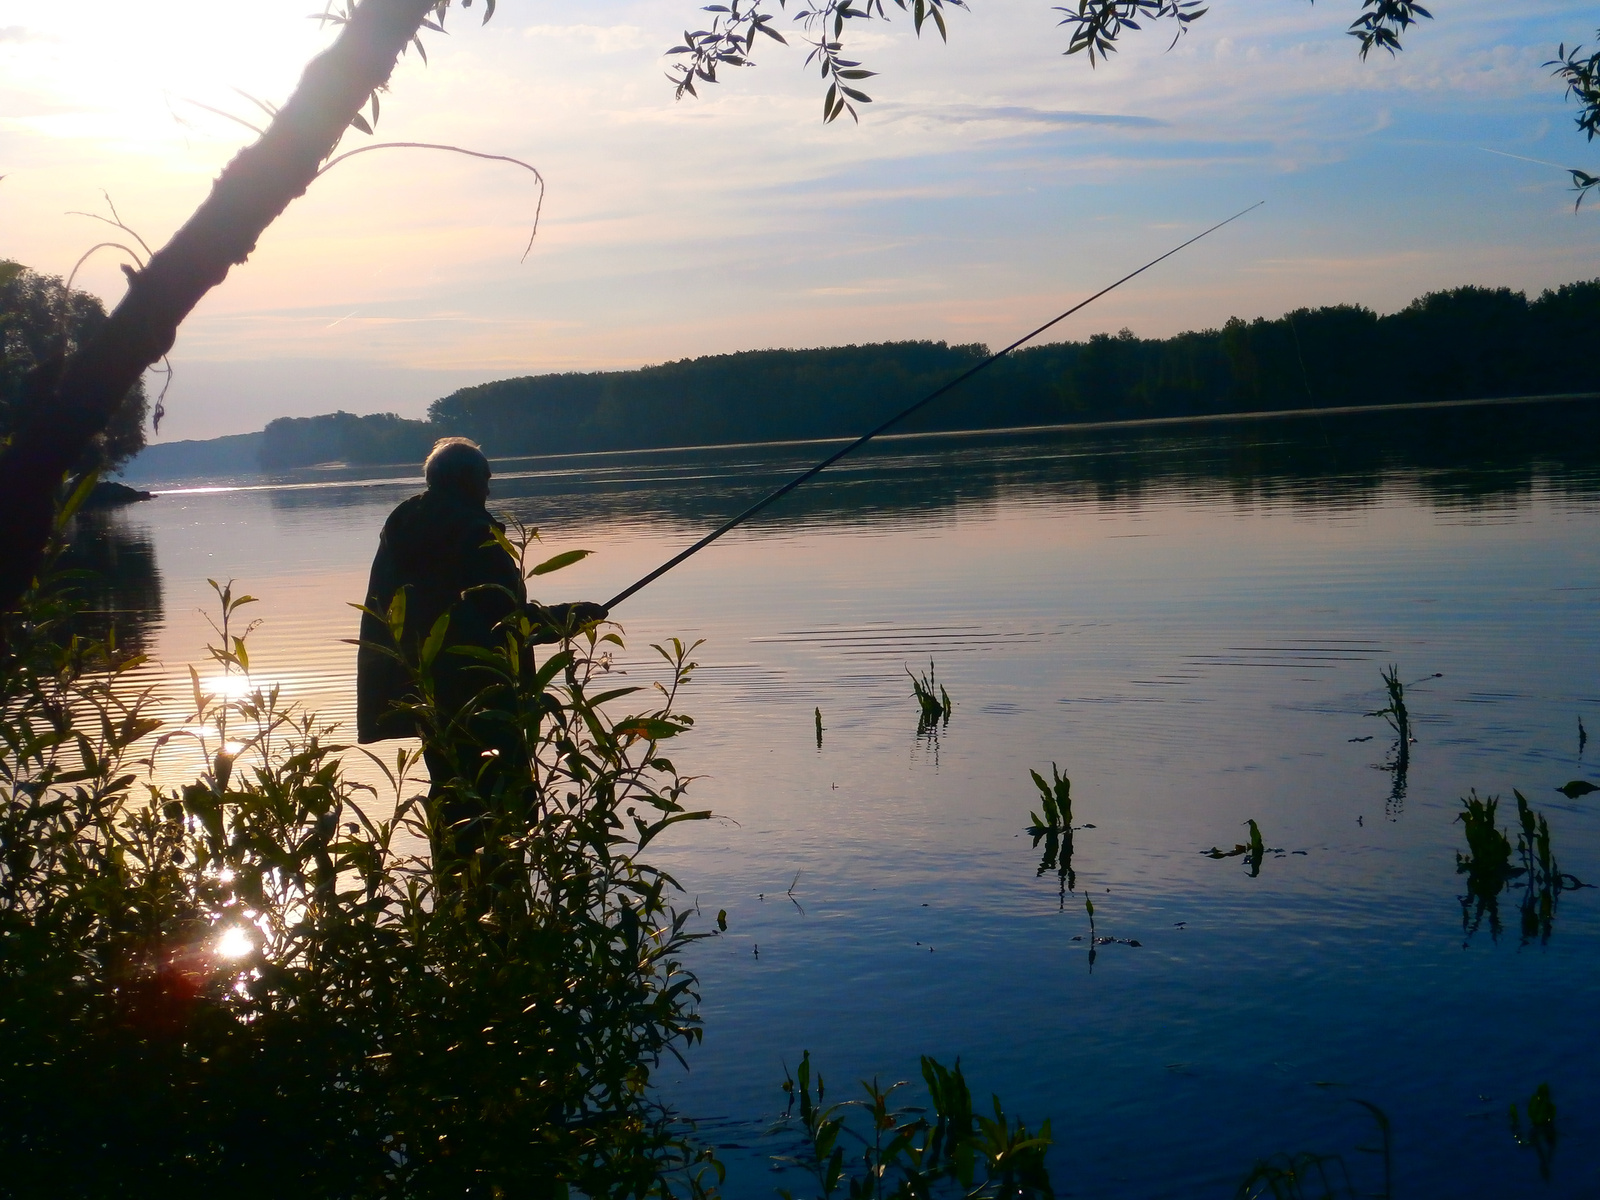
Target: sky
{"points": [[992, 182]]}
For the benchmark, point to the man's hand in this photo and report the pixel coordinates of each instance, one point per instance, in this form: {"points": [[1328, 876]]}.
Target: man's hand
{"points": [[583, 612], [561, 620]]}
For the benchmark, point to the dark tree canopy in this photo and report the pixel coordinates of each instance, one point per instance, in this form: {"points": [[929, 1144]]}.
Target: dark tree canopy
{"points": [[1463, 344], [39, 318]]}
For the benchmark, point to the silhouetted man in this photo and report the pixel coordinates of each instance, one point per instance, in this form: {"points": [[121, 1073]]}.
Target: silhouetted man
{"points": [[438, 546]]}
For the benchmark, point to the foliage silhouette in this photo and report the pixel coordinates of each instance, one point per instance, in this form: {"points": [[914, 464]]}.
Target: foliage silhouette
{"points": [[1055, 830], [934, 705], [250, 982], [1489, 866], [1399, 718], [40, 319], [1253, 851], [1309, 1176], [1541, 1135], [1464, 344], [869, 1148]]}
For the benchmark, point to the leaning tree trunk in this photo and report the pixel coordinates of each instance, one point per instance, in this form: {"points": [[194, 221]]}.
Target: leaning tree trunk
{"points": [[71, 402]]}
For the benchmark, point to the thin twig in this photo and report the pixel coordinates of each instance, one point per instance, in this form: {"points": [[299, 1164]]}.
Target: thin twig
{"points": [[133, 254], [337, 159]]}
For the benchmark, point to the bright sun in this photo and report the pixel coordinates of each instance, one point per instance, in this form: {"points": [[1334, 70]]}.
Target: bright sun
{"points": [[234, 943]]}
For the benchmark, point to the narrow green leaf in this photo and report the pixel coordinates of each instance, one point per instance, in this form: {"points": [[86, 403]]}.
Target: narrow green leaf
{"points": [[652, 728], [435, 640], [397, 614], [564, 559], [80, 493]]}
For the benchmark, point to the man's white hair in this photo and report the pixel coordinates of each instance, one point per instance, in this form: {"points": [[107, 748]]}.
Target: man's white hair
{"points": [[455, 462]]}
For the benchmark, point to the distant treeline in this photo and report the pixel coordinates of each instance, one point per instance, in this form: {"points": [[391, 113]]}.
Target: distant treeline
{"points": [[1462, 344], [344, 437]]}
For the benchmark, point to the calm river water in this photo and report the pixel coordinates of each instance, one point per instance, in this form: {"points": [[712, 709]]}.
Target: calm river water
{"points": [[1191, 623]]}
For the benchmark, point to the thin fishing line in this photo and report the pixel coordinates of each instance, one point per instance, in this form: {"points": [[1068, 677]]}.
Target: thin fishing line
{"points": [[774, 497]]}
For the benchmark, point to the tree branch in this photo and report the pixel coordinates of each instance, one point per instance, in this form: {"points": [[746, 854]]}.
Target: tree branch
{"points": [[260, 182]]}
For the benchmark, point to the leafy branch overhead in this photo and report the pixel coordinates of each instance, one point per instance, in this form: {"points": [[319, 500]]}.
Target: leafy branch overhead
{"points": [[1095, 28], [1097, 24], [732, 38], [1582, 77]]}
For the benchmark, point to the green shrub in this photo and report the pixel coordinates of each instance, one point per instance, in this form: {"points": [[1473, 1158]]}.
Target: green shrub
{"points": [[253, 982]]}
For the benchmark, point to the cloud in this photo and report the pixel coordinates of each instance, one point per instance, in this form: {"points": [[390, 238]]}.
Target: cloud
{"points": [[604, 39], [15, 33], [963, 114]]}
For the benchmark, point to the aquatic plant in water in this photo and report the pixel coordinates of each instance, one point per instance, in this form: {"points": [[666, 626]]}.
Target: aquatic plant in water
{"points": [[1399, 718], [1490, 870], [251, 984], [1056, 799], [1054, 829], [933, 702], [1540, 1136], [1395, 712], [1253, 851], [1308, 1176], [871, 1148]]}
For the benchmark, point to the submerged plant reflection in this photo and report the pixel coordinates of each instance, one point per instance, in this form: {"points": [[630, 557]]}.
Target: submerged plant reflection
{"points": [[1491, 867]]}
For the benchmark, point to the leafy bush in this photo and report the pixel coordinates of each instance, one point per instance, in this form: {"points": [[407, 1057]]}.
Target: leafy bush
{"points": [[253, 982], [41, 318]]}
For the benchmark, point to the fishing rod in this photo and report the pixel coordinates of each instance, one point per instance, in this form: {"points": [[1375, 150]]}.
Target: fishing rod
{"points": [[783, 491]]}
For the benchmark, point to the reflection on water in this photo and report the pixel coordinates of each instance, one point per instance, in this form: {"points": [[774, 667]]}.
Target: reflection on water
{"points": [[1197, 621], [119, 584], [1477, 461]]}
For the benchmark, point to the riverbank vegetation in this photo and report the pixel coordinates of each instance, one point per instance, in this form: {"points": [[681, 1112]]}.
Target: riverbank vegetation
{"points": [[258, 983], [41, 318], [1463, 344]]}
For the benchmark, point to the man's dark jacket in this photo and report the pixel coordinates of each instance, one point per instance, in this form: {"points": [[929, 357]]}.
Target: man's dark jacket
{"points": [[439, 544]]}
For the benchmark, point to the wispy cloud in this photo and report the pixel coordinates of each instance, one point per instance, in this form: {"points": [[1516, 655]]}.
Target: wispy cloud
{"points": [[1017, 114]]}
